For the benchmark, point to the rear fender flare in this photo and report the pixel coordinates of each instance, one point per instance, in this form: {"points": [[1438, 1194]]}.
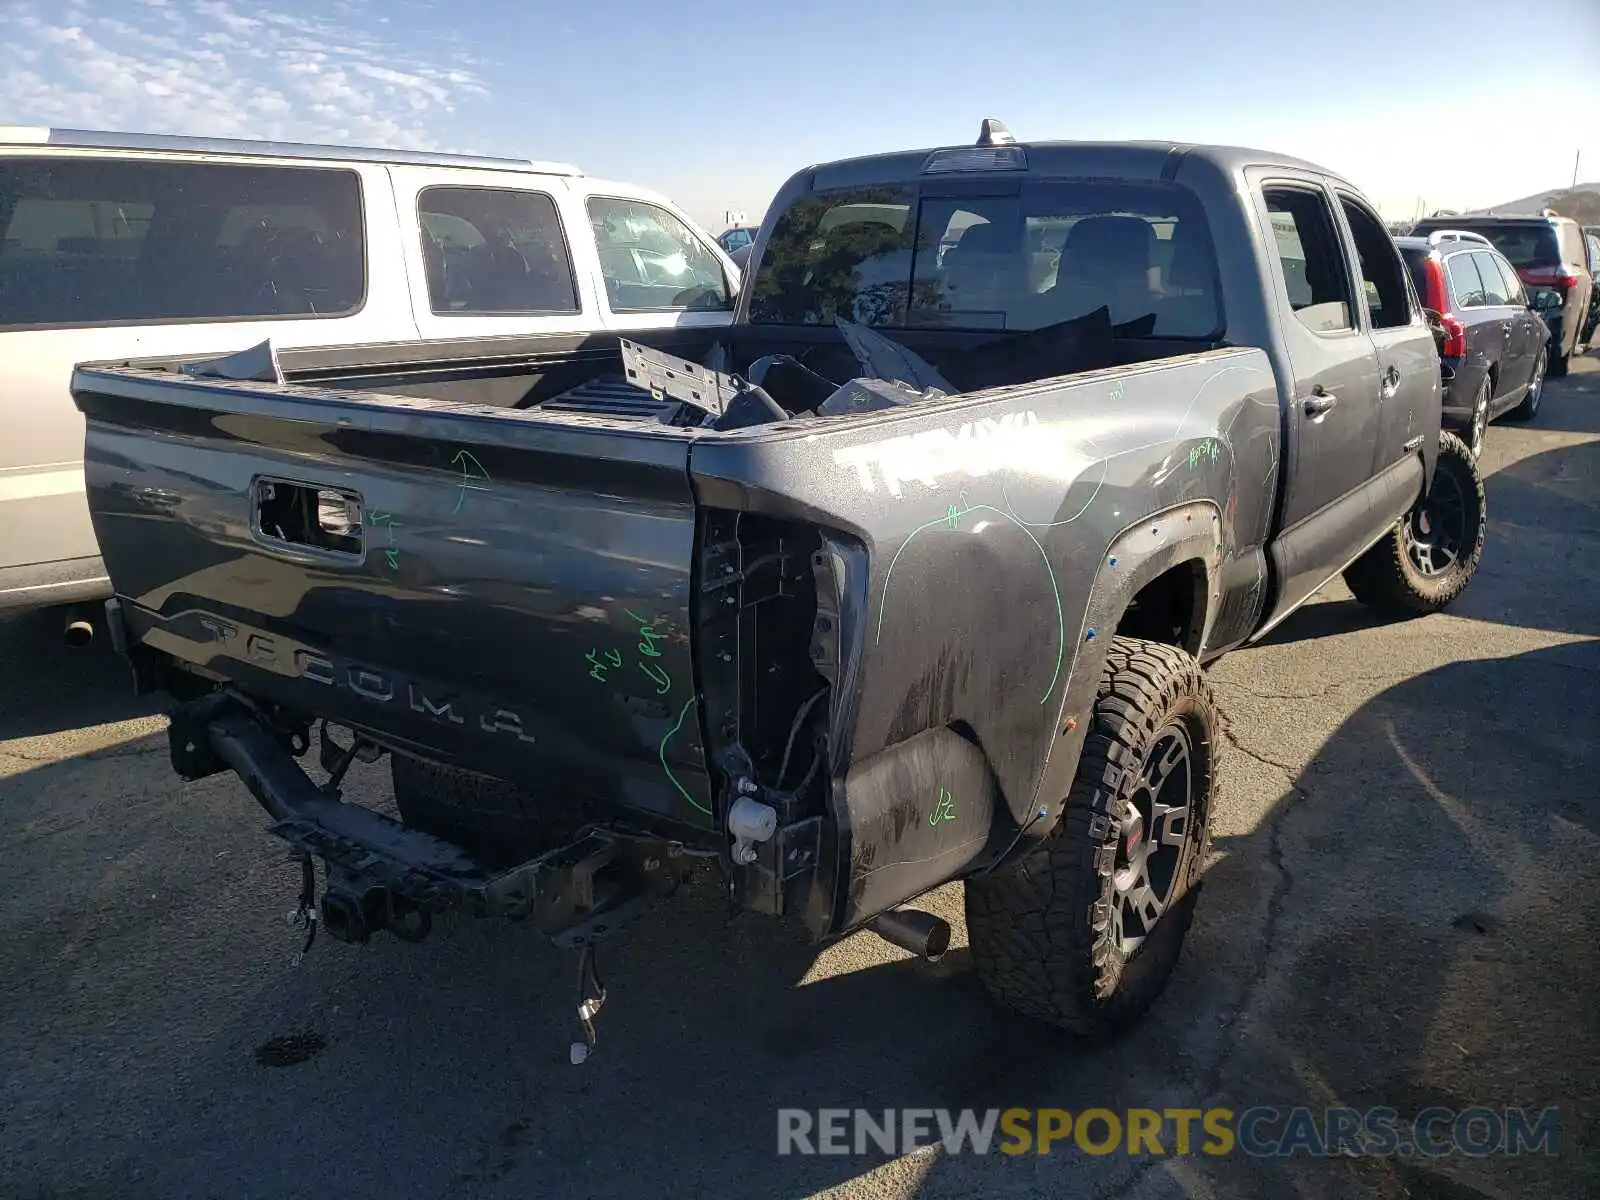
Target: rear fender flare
{"points": [[1189, 532]]}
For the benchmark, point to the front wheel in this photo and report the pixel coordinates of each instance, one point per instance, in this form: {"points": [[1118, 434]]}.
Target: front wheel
{"points": [[1084, 930], [1433, 551]]}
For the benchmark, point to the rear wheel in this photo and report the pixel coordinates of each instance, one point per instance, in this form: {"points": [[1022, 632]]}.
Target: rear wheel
{"points": [[1083, 931], [1432, 552], [1529, 408], [1479, 428]]}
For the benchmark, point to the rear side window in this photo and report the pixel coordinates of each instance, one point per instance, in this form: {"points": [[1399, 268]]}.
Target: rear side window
{"points": [[1465, 281], [1382, 274], [1060, 249], [1494, 287], [494, 250], [1310, 257], [1572, 244], [95, 241], [653, 262], [1513, 292]]}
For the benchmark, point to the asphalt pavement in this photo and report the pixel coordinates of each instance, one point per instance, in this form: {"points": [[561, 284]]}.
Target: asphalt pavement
{"points": [[1403, 911]]}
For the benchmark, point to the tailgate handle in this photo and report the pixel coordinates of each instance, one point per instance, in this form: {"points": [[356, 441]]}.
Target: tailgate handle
{"points": [[308, 516]]}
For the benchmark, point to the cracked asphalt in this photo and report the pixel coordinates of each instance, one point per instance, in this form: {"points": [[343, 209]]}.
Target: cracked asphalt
{"points": [[1403, 911]]}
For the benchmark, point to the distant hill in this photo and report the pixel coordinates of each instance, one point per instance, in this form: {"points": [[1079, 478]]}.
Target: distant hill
{"points": [[1581, 203]]}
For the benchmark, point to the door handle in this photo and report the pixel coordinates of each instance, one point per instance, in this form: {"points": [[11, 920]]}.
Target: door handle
{"points": [[1318, 403], [1391, 381]]}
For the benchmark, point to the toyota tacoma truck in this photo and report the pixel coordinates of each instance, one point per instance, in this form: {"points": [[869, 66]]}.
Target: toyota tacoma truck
{"points": [[907, 576]]}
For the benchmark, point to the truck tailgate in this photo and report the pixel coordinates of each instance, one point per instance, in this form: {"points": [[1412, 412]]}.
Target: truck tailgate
{"points": [[496, 587]]}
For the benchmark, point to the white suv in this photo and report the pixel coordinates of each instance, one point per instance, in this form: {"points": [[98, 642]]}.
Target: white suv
{"points": [[129, 246]]}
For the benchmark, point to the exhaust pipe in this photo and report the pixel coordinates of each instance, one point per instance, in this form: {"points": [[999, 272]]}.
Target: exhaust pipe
{"points": [[79, 631], [914, 931]]}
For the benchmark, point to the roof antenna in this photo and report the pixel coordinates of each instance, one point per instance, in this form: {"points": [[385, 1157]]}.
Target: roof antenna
{"points": [[993, 133]]}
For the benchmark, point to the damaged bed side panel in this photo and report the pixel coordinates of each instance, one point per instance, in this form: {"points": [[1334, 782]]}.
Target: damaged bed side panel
{"points": [[984, 524]]}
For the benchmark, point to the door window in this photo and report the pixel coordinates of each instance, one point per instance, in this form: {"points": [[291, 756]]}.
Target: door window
{"points": [[653, 262], [1494, 287], [1310, 259], [1514, 292], [100, 241], [1465, 281], [494, 250], [1383, 275]]}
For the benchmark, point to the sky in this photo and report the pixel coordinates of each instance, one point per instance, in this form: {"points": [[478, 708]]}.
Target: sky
{"points": [[1445, 105]]}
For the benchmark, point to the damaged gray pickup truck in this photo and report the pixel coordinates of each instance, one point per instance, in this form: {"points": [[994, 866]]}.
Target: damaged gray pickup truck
{"points": [[908, 577]]}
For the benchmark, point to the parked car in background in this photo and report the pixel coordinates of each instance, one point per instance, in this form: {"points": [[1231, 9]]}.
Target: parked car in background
{"points": [[1494, 355], [1591, 240], [741, 256], [122, 246], [737, 238], [1551, 259]]}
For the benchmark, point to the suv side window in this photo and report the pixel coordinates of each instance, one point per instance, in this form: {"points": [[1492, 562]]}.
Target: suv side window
{"points": [[494, 250], [1572, 243], [1494, 287], [1515, 294], [1383, 275], [1465, 281], [1310, 258], [104, 241], [652, 261]]}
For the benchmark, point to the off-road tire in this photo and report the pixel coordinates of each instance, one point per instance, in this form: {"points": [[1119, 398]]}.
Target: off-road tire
{"points": [[1385, 578], [494, 820], [1041, 930]]}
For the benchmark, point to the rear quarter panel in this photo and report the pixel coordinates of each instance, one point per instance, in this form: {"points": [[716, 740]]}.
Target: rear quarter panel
{"points": [[992, 528]]}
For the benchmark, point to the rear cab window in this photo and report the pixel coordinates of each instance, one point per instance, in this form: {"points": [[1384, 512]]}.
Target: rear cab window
{"points": [[104, 241], [920, 257]]}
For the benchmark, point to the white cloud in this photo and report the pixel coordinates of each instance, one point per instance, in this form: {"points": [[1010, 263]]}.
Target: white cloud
{"points": [[212, 67]]}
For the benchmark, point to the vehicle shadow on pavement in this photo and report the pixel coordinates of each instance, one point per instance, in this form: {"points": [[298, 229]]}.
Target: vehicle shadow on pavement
{"points": [[51, 687], [1435, 905]]}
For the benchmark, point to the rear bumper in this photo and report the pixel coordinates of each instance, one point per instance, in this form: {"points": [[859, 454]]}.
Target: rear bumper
{"points": [[574, 893]]}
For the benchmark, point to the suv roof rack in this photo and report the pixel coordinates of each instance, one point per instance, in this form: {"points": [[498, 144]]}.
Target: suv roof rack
{"points": [[1457, 235], [97, 139]]}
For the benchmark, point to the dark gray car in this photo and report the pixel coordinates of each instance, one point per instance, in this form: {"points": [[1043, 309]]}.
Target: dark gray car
{"points": [[1494, 355], [1552, 261]]}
